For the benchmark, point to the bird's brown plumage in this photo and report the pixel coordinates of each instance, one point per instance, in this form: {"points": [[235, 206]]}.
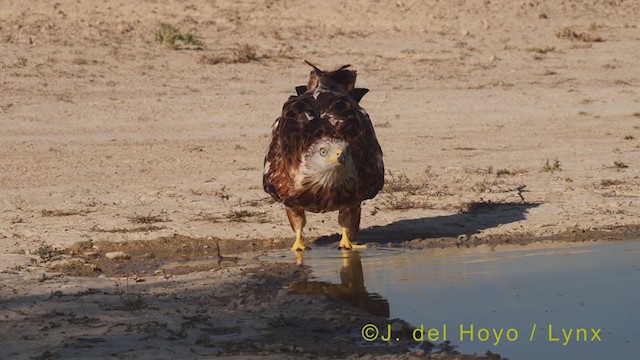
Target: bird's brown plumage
{"points": [[326, 108]]}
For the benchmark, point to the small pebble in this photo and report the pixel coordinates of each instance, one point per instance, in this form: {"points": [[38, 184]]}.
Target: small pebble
{"points": [[35, 277], [117, 255]]}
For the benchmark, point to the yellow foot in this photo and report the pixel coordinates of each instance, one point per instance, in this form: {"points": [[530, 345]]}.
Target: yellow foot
{"points": [[350, 246], [346, 244], [299, 244], [299, 247]]}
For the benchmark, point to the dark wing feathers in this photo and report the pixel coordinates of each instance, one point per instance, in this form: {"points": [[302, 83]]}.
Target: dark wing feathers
{"points": [[326, 107], [354, 125], [339, 80], [301, 89], [293, 133], [358, 93], [287, 140]]}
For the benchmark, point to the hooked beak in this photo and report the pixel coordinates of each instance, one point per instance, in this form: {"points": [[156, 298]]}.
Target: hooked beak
{"points": [[339, 157]]}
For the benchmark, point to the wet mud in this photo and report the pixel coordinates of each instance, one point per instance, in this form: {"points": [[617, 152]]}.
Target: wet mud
{"points": [[234, 278]]}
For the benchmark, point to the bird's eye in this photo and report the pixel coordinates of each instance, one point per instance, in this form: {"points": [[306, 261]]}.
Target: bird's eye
{"points": [[323, 152]]}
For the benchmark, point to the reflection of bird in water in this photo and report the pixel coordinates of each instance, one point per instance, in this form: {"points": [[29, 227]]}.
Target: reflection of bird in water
{"points": [[351, 288]]}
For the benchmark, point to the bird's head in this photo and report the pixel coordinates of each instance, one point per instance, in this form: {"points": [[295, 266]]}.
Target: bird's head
{"points": [[329, 155]]}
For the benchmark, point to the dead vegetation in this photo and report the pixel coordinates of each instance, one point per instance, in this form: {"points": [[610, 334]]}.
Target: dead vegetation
{"points": [[49, 253], [500, 172], [221, 193], [495, 185], [70, 212], [551, 166], [570, 33], [542, 50], [611, 182], [404, 201], [173, 38], [239, 55], [148, 219], [401, 182], [234, 216], [246, 216], [480, 171], [495, 188], [507, 172], [620, 165], [401, 193], [146, 228]]}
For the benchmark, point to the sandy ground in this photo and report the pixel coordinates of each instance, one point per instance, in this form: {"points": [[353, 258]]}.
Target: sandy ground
{"points": [[499, 120]]}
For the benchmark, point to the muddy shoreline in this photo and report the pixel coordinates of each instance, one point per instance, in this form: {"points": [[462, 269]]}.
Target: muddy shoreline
{"points": [[237, 309], [182, 290], [183, 254]]}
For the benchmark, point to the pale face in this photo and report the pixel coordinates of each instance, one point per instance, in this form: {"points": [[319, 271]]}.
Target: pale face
{"points": [[329, 154], [329, 162]]}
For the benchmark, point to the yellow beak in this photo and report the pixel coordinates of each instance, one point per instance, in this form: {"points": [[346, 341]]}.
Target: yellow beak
{"points": [[338, 158]]}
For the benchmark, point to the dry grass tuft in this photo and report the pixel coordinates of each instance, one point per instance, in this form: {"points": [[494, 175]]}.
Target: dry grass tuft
{"points": [[401, 183], [145, 228], [48, 253], [571, 34], [552, 166], [172, 37], [72, 212], [620, 165], [246, 215], [608, 182], [542, 50], [148, 219], [402, 193], [507, 172], [240, 55], [406, 201]]}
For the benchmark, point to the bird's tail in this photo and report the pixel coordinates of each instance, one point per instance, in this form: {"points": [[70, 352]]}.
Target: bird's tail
{"points": [[341, 79]]}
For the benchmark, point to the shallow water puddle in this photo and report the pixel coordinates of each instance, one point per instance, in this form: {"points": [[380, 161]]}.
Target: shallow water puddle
{"points": [[545, 300]]}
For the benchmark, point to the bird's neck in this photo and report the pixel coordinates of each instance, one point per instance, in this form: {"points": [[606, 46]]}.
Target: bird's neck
{"points": [[327, 176]]}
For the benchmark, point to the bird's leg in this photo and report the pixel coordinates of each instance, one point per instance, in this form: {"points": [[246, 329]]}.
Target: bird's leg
{"points": [[297, 219], [349, 220]]}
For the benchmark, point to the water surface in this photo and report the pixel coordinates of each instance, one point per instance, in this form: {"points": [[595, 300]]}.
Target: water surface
{"points": [[592, 289]]}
